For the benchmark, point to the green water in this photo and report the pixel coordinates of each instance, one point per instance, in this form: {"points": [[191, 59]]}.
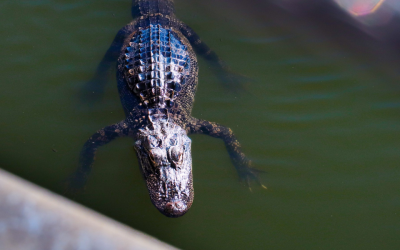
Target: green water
{"points": [[322, 120]]}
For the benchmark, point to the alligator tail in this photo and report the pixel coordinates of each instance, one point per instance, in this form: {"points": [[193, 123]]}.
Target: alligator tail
{"points": [[147, 7]]}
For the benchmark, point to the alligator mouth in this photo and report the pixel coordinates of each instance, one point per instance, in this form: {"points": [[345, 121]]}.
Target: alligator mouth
{"points": [[169, 198]]}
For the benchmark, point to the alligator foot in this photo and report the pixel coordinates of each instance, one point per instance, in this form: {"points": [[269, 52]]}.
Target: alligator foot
{"points": [[75, 184], [248, 174], [233, 82]]}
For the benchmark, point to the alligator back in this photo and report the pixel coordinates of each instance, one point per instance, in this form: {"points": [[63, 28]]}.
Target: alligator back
{"points": [[157, 64]]}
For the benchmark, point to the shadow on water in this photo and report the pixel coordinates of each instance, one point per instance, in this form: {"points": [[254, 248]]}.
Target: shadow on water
{"points": [[321, 117]]}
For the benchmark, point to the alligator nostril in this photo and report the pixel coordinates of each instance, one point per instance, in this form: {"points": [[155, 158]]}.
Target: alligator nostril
{"points": [[174, 207], [170, 206]]}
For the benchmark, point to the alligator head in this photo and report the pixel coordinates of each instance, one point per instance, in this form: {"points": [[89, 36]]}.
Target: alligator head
{"points": [[163, 150]]}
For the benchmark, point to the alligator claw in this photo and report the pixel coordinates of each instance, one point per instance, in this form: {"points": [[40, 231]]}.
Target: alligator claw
{"points": [[249, 174]]}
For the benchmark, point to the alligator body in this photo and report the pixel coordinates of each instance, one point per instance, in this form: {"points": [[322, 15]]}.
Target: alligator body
{"points": [[157, 76]]}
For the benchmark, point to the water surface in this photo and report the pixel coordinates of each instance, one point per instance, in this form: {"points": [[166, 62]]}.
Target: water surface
{"points": [[320, 117]]}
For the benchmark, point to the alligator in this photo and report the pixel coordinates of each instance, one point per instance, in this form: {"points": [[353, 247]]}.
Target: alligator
{"points": [[157, 75]]}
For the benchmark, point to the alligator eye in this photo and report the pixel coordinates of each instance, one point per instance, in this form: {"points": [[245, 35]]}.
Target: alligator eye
{"points": [[157, 156], [151, 142], [176, 155], [151, 157]]}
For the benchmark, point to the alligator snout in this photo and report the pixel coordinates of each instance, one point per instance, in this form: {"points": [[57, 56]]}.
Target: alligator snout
{"points": [[175, 209]]}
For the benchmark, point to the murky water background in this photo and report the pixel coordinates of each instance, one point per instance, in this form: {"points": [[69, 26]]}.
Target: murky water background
{"points": [[321, 116]]}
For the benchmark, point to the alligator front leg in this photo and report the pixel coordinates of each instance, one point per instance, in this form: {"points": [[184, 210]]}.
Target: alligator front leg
{"points": [[76, 182], [239, 160]]}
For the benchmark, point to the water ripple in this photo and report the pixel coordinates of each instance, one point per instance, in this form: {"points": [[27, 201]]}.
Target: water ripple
{"points": [[318, 78], [262, 40]]}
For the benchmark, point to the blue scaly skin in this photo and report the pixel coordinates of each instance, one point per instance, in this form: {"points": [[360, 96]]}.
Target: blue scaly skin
{"points": [[157, 77]]}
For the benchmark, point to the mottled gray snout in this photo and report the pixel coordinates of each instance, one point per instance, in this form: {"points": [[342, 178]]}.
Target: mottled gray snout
{"points": [[164, 155]]}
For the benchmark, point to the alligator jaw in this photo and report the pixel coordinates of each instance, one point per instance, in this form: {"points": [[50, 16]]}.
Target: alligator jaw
{"points": [[163, 150], [170, 199]]}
